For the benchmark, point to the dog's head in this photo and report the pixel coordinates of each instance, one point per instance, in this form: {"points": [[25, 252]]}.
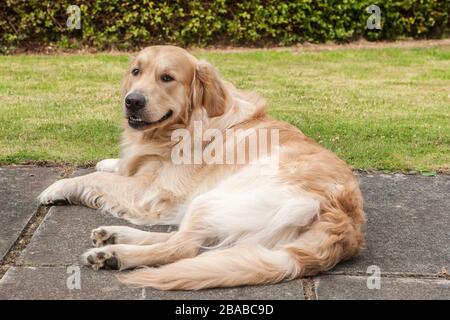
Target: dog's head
{"points": [[164, 84]]}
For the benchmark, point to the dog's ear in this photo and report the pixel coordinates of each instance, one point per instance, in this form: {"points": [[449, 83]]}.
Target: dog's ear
{"points": [[126, 80], [125, 85], [208, 90]]}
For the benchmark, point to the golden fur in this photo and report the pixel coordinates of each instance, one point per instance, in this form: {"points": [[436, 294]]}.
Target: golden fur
{"points": [[316, 223]]}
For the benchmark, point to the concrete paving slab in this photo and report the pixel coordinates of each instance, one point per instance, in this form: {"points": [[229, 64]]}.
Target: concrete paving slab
{"points": [[19, 187], [408, 228], [65, 234], [355, 288], [51, 283], [82, 171], [407, 232]]}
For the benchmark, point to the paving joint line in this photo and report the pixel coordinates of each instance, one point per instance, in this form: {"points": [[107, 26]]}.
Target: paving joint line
{"points": [[309, 288], [45, 265], [28, 231], [23, 240], [404, 275], [91, 165]]}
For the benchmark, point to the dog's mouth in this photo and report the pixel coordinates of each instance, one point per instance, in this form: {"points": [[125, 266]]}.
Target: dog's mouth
{"points": [[138, 123]]}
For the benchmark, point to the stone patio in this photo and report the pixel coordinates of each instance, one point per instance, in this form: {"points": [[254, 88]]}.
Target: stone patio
{"points": [[408, 241]]}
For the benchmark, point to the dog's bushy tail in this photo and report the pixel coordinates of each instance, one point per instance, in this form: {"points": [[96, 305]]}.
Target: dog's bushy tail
{"points": [[239, 265], [235, 266]]}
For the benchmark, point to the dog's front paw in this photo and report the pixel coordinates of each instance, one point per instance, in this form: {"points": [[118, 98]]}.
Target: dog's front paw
{"points": [[99, 258], [108, 165], [57, 193]]}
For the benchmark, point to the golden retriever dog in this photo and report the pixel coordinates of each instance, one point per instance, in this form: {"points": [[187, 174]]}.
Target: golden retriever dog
{"points": [[292, 211]]}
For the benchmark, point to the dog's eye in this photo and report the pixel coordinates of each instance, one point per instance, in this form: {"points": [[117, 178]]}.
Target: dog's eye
{"points": [[135, 71], [166, 78]]}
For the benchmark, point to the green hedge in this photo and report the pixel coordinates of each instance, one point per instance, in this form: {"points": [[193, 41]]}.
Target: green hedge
{"points": [[129, 24]]}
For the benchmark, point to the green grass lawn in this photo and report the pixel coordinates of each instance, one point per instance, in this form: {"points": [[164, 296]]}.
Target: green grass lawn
{"points": [[383, 109]]}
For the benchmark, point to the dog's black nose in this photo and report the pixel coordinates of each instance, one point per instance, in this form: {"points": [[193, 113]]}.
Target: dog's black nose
{"points": [[135, 101]]}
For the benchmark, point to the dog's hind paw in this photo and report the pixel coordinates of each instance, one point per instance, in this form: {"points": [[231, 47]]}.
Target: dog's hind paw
{"points": [[99, 258], [101, 237]]}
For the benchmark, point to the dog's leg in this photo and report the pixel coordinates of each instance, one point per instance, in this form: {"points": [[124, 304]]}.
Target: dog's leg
{"points": [[124, 256], [184, 243], [127, 197], [108, 165], [126, 235]]}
